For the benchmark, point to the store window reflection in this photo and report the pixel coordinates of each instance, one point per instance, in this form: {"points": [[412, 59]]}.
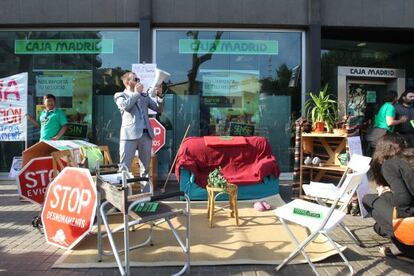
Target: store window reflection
{"points": [[233, 83]]}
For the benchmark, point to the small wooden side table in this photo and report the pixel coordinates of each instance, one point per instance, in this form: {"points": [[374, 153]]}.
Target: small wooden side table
{"points": [[213, 193]]}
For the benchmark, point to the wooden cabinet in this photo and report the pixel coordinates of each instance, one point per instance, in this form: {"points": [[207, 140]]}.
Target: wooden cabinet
{"points": [[327, 147]]}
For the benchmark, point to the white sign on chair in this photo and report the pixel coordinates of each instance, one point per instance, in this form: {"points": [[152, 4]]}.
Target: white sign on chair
{"points": [[354, 144]]}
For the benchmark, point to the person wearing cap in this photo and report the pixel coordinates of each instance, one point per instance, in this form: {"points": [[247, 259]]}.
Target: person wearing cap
{"points": [[136, 132]]}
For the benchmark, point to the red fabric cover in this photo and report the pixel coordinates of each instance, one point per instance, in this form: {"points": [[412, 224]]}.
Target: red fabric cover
{"points": [[242, 164], [220, 141]]}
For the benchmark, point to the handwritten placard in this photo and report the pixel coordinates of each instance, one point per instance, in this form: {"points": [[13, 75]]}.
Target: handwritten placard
{"points": [[146, 73], [239, 129]]}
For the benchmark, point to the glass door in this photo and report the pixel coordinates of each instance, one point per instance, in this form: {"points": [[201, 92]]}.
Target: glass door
{"points": [[364, 98]]}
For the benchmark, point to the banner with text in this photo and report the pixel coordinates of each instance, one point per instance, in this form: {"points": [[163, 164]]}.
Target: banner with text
{"points": [[13, 107]]}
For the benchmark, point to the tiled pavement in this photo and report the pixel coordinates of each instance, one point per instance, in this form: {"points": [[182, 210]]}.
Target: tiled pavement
{"points": [[23, 250]]}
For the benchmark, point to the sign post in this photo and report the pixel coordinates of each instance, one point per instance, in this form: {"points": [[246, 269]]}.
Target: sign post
{"points": [[70, 207]]}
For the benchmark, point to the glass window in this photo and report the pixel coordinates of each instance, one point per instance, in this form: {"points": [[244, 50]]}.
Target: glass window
{"points": [[81, 68], [232, 83]]}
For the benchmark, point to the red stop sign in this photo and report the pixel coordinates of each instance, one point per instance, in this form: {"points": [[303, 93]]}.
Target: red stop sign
{"points": [[159, 131], [34, 179], [69, 209]]}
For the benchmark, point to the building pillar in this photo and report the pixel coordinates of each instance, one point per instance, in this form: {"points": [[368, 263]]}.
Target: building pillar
{"points": [[145, 31], [313, 58]]}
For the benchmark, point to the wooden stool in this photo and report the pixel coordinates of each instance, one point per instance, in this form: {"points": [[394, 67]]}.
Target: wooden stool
{"points": [[213, 193]]}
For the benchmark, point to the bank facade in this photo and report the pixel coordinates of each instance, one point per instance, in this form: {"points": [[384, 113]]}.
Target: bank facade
{"points": [[237, 66]]}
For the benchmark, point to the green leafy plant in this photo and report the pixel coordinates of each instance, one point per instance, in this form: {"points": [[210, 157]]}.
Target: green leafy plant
{"points": [[321, 107], [216, 179]]}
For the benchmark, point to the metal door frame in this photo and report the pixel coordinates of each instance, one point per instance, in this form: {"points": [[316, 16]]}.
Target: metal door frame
{"points": [[348, 74]]}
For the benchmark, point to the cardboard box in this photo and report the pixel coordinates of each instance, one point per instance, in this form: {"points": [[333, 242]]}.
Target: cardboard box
{"points": [[45, 148]]}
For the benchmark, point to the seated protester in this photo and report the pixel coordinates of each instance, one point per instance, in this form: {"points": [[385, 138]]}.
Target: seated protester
{"points": [[52, 121], [394, 174]]}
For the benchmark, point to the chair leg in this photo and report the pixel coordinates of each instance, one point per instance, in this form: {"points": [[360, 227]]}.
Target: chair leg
{"points": [[300, 248], [231, 206], [350, 234], [126, 245], [185, 247], [111, 239], [212, 208], [99, 225], [351, 269], [236, 210], [208, 205]]}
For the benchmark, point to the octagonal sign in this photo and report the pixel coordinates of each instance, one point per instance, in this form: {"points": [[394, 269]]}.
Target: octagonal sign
{"points": [[69, 208], [34, 179], [159, 131]]}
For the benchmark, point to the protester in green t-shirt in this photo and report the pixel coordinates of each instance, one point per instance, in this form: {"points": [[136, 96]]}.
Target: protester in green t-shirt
{"points": [[385, 117], [52, 121], [384, 121]]}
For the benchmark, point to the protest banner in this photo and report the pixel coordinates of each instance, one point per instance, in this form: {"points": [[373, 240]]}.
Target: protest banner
{"points": [[13, 108]]}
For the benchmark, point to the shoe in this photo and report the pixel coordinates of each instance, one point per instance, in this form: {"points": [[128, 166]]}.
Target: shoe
{"points": [[390, 251], [266, 205], [258, 206], [355, 209], [385, 251], [316, 161]]}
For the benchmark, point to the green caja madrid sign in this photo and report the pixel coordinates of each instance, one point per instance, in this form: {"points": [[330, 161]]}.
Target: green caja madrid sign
{"points": [[63, 46], [246, 47]]}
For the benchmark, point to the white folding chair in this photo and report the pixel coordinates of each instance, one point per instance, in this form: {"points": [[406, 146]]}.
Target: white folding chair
{"points": [[305, 213], [326, 192]]}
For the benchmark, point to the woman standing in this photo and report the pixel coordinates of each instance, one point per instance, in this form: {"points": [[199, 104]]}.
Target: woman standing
{"points": [[393, 173], [384, 121]]}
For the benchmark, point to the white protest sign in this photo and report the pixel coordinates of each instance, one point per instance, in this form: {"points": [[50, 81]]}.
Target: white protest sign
{"points": [[146, 73], [16, 166], [13, 108], [354, 144]]}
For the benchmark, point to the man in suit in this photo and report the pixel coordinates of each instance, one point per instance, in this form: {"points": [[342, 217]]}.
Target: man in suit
{"points": [[136, 131]]}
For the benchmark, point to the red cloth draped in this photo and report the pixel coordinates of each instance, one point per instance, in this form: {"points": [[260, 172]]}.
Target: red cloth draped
{"points": [[241, 163]]}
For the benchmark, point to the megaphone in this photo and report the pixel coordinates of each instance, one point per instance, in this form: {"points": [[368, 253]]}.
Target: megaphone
{"points": [[160, 76]]}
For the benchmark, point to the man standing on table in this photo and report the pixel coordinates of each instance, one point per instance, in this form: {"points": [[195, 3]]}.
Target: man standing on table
{"points": [[136, 131]]}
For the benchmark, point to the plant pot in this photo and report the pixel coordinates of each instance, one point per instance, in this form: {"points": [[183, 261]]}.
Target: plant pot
{"points": [[320, 127]]}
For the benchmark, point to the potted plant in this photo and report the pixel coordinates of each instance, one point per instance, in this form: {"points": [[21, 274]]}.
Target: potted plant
{"points": [[321, 109], [340, 126], [216, 179]]}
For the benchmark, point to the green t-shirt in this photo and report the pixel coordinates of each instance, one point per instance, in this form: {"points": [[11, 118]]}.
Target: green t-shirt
{"points": [[386, 110], [50, 123]]}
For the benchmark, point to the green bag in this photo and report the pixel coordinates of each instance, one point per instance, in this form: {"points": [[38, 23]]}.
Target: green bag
{"points": [[93, 155]]}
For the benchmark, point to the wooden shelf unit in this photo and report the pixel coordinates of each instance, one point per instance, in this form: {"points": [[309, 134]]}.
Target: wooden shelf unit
{"points": [[332, 145]]}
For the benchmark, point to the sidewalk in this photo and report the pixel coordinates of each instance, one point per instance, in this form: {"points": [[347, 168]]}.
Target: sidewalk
{"points": [[23, 250]]}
